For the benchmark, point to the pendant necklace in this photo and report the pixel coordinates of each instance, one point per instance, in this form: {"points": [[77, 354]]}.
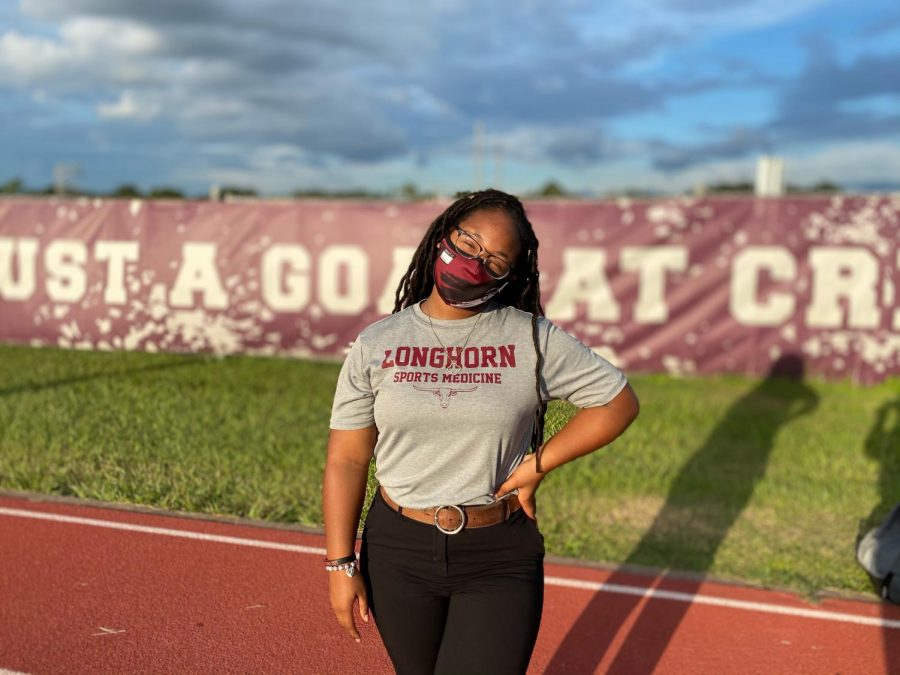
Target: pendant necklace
{"points": [[455, 364]]}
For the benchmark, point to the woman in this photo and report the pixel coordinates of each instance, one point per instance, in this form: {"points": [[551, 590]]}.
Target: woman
{"points": [[447, 394]]}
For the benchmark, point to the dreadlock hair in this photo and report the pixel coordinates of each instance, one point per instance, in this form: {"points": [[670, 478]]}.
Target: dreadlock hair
{"points": [[522, 291]]}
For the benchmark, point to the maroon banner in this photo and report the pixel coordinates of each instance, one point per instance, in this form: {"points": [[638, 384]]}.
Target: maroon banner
{"points": [[682, 286]]}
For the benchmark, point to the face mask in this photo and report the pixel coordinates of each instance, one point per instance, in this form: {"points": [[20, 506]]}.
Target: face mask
{"points": [[463, 282]]}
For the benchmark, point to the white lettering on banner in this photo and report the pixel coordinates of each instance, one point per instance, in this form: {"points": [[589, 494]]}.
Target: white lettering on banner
{"points": [[745, 271], [847, 285], [17, 268], [355, 263], [897, 311], [64, 264], [285, 277], [117, 253], [583, 280], [843, 272], [402, 257], [652, 263], [198, 273]]}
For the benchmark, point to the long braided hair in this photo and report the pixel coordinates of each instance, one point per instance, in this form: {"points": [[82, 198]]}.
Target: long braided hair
{"points": [[522, 291]]}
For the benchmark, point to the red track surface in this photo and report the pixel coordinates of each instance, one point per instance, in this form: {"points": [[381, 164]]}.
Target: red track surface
{"points": [[82, 598]]}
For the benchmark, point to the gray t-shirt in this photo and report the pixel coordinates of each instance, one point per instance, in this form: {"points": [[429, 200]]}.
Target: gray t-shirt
{"points": [[454, 436]]}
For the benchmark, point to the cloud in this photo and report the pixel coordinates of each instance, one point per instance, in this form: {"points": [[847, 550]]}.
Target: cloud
{"points": [[739, 143], [881, 27], [372, 84], [578, 146], [128, 106], [811, 106], [865, 164], [88, 51], [546, 92], [353, 83], [225, 70], [854, 162], [724, 17], [185, 57]]}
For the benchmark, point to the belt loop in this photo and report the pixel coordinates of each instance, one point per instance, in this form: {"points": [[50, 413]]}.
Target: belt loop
{"points": [[434, 544]]}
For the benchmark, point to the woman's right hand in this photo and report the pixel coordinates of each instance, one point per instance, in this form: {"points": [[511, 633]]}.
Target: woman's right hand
{"points": [[343, 590], [343, 493]]}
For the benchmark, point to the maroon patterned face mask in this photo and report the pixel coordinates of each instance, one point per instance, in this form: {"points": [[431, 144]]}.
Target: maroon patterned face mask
{"points": [[463, 282]]}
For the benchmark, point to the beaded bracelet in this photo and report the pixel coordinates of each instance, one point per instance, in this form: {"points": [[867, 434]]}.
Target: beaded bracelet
{"points": [[340, 566], [348, 567]]}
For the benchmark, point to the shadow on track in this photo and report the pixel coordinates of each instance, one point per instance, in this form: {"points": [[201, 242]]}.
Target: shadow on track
{"points": [[705, 499]]}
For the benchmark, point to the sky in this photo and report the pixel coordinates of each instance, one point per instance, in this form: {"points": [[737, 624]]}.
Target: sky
{"points": [[281, 95]]}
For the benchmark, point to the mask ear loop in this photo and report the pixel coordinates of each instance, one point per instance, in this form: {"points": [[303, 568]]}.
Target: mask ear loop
{"points": [[537, 434]]}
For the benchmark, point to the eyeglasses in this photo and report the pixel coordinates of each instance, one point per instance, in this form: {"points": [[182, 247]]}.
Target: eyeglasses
{"points": [[469, 247]]}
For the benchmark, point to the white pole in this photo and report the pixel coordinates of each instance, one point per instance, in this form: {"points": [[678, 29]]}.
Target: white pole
{"points": [[769, 176]]}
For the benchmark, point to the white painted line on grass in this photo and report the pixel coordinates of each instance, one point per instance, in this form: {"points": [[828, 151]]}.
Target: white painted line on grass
{"points": [[595, 586]]}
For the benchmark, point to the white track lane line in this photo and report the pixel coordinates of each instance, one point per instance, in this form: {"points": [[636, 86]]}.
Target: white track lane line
{"points": [[723, 602], [596, 586], [186, 534]]}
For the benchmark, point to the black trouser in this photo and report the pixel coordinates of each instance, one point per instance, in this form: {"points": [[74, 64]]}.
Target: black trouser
{"points": [[457, 604]]}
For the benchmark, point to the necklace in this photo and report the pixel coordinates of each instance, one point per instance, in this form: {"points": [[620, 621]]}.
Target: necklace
{"points": [[455, 363]]}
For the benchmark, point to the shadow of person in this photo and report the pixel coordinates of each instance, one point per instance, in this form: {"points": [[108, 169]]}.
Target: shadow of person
{"points": [[705, 499], [883, 445]]}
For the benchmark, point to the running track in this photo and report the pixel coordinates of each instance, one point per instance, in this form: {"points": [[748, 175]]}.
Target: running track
{"points": [[87, 589]]}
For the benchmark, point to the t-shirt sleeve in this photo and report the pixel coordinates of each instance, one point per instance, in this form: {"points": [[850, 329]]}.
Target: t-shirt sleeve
{"points": [[353, 406], [575, 373]]}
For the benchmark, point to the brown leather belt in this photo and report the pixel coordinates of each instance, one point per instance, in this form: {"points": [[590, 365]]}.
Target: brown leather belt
{"points": [[450, 518]]}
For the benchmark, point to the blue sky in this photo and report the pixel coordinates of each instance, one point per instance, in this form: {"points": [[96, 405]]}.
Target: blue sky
{"points": [[287, 94]]}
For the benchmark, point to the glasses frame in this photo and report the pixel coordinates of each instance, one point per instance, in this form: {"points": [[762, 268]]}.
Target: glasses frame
{"points": [[478, 255]]}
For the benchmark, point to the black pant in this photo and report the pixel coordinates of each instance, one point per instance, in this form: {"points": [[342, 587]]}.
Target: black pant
{"points": [[455, 604]]}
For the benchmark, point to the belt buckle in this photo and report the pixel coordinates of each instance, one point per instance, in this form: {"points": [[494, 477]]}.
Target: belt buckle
{"points": [[462, 518]]}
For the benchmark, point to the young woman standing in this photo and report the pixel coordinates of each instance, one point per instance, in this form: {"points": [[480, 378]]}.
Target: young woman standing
{"points": [[448, 393]]}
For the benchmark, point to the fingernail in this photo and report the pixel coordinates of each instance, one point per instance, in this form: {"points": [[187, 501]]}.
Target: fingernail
{"points": [[366, 618], [357, 639]]}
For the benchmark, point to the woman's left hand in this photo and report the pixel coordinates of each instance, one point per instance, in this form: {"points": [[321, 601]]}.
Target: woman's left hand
{"points": [[526, 479]]}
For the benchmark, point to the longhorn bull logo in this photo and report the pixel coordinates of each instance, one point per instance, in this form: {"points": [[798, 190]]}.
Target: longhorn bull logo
{"points": [[444, 393]]}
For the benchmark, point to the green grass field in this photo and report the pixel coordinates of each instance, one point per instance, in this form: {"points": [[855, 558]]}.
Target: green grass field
{"points": [[766, 482]]}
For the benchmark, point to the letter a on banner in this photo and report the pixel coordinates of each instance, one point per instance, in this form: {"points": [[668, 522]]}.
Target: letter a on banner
{"points": [[198, 273], [583, 280]]}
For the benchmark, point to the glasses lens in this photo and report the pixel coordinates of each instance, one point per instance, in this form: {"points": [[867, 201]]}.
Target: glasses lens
{"points": [[467, 245], [496, 267]]}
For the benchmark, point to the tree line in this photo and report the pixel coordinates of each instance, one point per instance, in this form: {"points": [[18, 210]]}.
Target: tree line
{"points": [[408, 192]]}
